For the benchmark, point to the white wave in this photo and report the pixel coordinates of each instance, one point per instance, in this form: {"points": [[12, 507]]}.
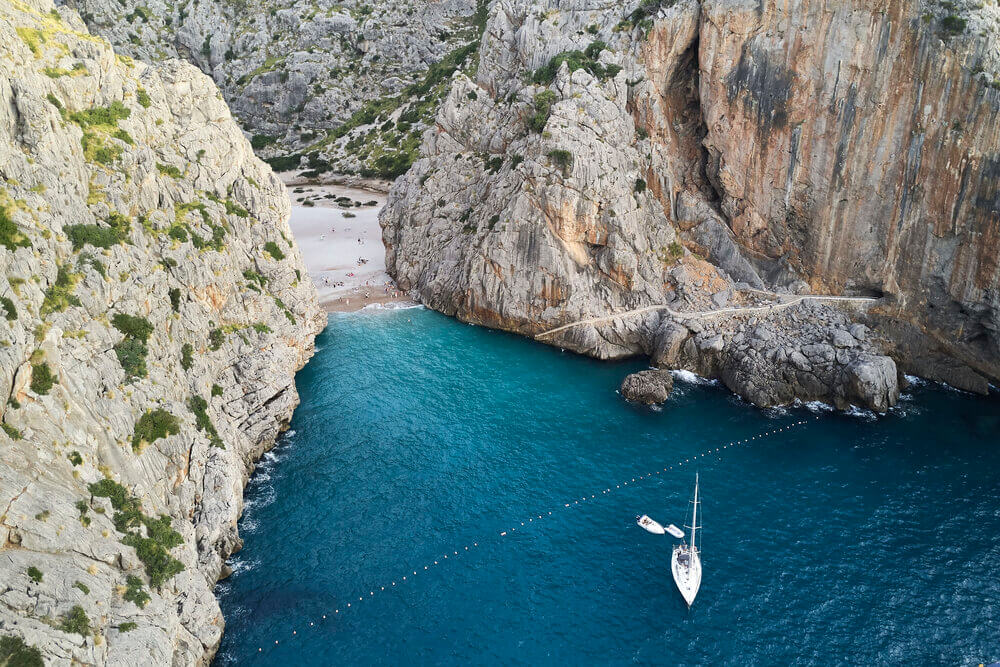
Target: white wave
{"points": [[861, 413], [691, 378], [776, 411], [260, 501], [395, 305], [816, 407], [915, 381], [242, 565]]}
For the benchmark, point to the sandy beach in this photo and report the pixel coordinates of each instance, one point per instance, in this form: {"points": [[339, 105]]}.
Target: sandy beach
{"points": [[336, 228]]}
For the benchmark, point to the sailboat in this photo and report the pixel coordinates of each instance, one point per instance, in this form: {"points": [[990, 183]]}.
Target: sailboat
{"points": [[686, 560]]}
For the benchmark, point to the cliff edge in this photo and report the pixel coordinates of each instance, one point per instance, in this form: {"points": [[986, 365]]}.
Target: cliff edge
{"points": [[153, 312]]}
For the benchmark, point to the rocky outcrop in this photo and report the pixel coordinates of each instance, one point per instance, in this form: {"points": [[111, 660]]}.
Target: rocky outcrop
{"points": [[649, 387], [698, 163], [154, 312], [293, 71]]}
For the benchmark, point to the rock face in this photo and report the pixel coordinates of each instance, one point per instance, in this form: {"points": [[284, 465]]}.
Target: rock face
{"points": [[154, 311], [695, 165], [860, 141], [293, 69], [649, 387]]}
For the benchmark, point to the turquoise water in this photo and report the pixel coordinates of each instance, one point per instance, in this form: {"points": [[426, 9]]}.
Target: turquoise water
{"points": [[847, 539]]}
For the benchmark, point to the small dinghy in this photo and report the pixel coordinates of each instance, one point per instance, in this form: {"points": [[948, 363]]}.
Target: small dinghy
{"points": [[675, 531], [652, 526]]}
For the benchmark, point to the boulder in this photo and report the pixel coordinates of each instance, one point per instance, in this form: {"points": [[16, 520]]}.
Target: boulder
{"points": [[649, 387]]}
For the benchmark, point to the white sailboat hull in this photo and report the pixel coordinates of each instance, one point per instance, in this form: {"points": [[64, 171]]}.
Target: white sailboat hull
{"points": [[685, 565]]}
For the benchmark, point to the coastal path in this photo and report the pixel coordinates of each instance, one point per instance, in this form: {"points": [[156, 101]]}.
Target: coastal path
{"points": [[786, 301]]}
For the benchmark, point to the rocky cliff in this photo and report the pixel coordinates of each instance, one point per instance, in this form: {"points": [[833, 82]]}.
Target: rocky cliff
{"points": [[693, 165], [153, 311], [306, 78]]}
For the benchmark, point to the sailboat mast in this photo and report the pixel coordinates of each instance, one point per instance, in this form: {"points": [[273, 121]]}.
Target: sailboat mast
{"points": [[694, 513]]}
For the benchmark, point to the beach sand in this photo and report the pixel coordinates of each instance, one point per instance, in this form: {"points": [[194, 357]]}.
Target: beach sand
{"points": [[333, 244]]}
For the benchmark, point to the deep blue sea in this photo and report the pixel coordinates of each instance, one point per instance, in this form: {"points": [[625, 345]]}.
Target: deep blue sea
{"points": [[847, 539]]}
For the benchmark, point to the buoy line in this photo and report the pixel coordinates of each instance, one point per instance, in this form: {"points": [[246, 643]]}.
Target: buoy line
{"points": [[465, 549]]}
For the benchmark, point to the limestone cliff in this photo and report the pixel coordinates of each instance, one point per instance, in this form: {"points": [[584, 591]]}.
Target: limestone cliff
{"points": [[696, 164], [306, 78], [153, 311]]}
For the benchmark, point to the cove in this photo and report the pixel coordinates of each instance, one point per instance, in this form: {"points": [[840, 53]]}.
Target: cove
{"points": [[848, 539]]}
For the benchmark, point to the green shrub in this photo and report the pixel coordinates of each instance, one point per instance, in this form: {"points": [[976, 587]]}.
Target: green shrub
{"points": [[42, 378], [75, 458], [281, 304], [175, 299], [187, 356], [95, 235], [136, 591], [392, 165], [199, 406], [676, 249], [35, 574], [59, 296], [255, 277], [9, 308], [11, 236], [128, 510], [76, 621], [169, 170], [82, 507], [101, 116], [152, 550], [152, 426], [15, 653], [11, 432], [132, 350], [178, 232], [133, 326], [953, 25], [586, 60], [272, 249], [216, 390], [641, 17], [216, 337], [83, 587], [86, 259], [127, 627], [131, 355], [259, 141], [543, 109], [110, 489], [158, 562], [640, 186], [562, 159], [232, 208], [143, 98], [284, 162]]}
